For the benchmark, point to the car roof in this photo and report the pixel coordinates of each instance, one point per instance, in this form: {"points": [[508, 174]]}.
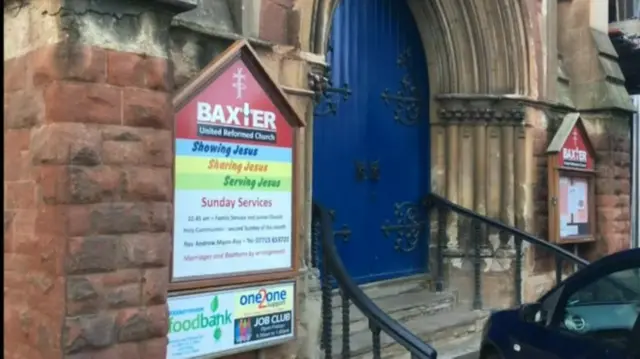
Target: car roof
{"points": [[625, 256]]}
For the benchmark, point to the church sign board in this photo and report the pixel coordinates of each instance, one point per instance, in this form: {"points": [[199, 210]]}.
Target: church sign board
{"points": [[234, 176], [571, 183]]}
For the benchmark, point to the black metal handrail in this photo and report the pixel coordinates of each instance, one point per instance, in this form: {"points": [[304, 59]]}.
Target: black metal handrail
{"points": [[477, 229], [331, 266], [441, 201]]}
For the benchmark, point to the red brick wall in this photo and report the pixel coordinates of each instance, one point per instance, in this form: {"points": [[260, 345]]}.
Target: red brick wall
{"points": [[88, 156], [613, 149], [613, 189]]}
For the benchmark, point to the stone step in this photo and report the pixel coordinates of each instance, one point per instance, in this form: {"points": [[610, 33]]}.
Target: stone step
{"points": [[438, 330], [388, 288], [400, 307]]}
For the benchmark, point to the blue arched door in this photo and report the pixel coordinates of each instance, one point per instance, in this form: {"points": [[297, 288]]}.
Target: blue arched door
{"points": [[371, 140]]}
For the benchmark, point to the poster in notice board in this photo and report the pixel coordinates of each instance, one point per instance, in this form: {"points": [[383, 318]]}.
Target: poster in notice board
{"points": [[573, 201]]}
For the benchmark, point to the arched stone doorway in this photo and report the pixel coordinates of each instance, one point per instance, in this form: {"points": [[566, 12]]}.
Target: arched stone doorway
{"points": [[483, 65]]}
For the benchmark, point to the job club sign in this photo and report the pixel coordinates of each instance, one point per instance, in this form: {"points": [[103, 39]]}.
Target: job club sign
{"points": [[233, 176], [221, 322]]}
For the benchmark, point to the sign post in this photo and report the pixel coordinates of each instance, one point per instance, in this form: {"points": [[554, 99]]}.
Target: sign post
{"points": [[571, 172], [235, 206]]}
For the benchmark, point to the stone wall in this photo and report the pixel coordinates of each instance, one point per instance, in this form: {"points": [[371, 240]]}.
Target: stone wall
{"points": [[88, 159]]}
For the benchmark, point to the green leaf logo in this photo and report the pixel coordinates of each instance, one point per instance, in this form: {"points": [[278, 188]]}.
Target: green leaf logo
{"points": [[214, 304], [217, 334]]}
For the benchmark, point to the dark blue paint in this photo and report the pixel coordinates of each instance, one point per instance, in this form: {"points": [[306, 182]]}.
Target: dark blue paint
{"points": [[367, 38], [506, 328]]}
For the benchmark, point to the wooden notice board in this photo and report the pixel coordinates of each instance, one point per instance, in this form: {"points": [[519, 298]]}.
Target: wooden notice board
{"points": [[571, 175], [236, 203]]}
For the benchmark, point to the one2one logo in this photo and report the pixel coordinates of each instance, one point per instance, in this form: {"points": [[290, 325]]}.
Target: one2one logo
{"points": [[264, 298]]}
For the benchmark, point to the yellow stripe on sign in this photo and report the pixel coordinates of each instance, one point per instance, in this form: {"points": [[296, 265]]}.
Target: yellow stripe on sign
{"points": [[188, 165]]}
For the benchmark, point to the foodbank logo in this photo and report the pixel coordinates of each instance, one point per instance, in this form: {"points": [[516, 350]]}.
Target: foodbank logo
{"points": [[201, 321]]}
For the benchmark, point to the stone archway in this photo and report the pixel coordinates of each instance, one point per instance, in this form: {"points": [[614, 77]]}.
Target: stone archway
{"points": [[483, 63], [483, 60], [474, 47]]}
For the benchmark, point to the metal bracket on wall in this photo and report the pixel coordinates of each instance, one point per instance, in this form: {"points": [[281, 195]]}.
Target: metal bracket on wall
{"points": [[327, 96]]}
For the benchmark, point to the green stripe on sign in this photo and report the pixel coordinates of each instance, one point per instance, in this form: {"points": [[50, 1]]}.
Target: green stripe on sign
{"points": [[230, 183]]}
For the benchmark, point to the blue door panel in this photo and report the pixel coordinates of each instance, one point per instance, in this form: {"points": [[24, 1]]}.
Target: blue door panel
{"points": [[375, 49]]}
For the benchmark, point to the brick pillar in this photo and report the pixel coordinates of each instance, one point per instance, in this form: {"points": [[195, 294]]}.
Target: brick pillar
{"points": [[88, 156]]}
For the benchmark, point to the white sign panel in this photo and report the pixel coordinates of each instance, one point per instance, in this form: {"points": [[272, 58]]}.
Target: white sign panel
{"points": [[218, 323]]}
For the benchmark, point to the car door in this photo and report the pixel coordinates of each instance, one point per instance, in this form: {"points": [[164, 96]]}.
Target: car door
{"points": [[589, 316]]}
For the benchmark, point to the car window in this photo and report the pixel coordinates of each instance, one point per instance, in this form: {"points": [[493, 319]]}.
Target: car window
{"points": [[622, 286]]}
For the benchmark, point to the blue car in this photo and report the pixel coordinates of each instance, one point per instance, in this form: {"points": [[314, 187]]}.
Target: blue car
{"points": [[593, 314]]}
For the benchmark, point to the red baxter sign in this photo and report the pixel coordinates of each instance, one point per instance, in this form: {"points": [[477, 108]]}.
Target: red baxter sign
{"points": [[233, 178], [234, 107], [574, 152]]}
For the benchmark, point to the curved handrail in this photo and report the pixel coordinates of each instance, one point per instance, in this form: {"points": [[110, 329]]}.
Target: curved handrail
{"points": [[436, 199], [382, 320]]}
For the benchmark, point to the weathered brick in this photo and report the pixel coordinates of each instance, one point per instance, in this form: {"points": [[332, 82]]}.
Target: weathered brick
{"points": [[157, 74], [42, 292], [15, 74], [158, 319], [54, 184], [66, 143], [19, 195], [123, 133], [68, 61], [27, 326], [120, 351], [87, 294], [125, 69], [92, 254], [18, 167], [143, 250], [153, 348], [148, 184], [52, 221], [94, 184], [123, 152], [83, 295], [23, 109], [146, 108], [43, 253], [83, 103], [274, 22], [132, 325], [133, 70], [120, 218], [161, 217], [606, 201], [89, 332], [158, 147], [16, 141], [125, 145], [604, 186], [155, 286]]}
